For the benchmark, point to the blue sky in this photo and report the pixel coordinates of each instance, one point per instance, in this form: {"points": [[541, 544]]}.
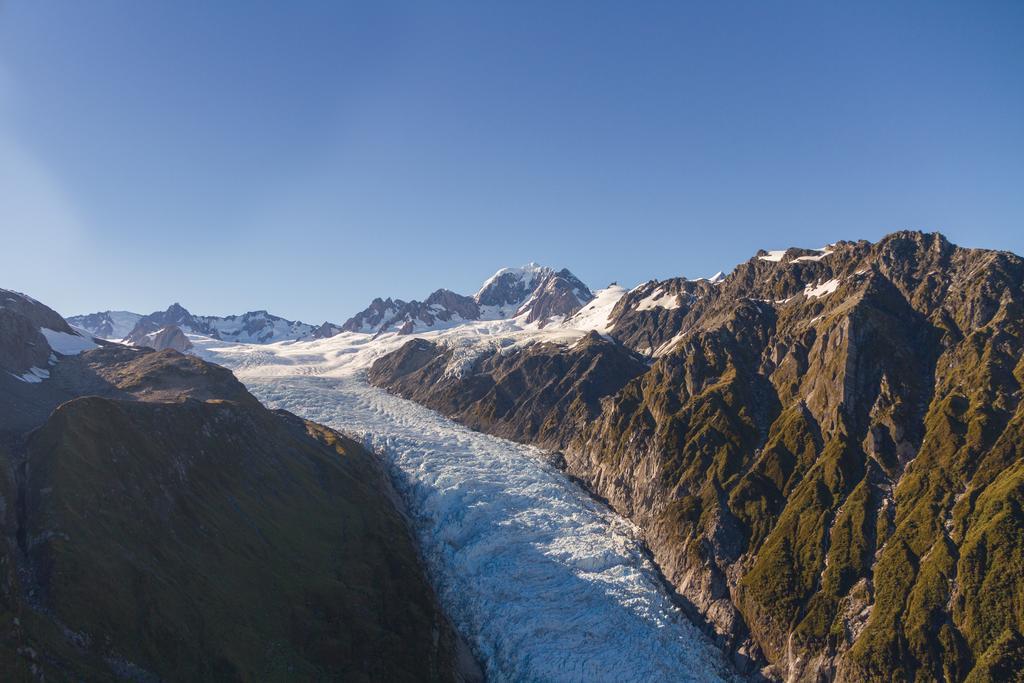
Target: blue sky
{"points": [[306, 157]]}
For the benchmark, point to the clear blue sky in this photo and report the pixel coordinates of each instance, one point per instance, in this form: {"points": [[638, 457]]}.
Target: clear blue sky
{"points": [[304, 157]]}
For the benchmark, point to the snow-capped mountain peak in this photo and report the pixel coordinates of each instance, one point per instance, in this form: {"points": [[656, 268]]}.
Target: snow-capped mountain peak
{"points": [[254, 327], [531, 294], [502, 287], [555, 295]]}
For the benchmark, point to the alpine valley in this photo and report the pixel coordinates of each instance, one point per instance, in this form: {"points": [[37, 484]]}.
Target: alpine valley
{"points": [[808, 469]]}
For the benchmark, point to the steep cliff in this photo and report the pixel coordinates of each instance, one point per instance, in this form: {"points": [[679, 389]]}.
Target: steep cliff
{"points": [[824, 453]]}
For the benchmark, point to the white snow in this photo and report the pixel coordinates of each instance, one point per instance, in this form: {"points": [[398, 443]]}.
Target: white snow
{"points": [[773, 256], [776, 256], [34, 375], [67, 344], [123, 322], [545, 582], [268, 329], [595, 315], [715, 279], [822, 253], [668, 346], [528, 274], [824, 289], [658, 299]]}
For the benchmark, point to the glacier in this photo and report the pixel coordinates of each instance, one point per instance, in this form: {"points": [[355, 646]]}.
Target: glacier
{"points": [[544, 582]]}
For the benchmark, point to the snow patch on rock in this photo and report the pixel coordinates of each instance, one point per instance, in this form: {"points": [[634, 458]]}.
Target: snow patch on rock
{"points": [[773, 256], [67, 344], [596, 314], [658, 299], [824, 289]]}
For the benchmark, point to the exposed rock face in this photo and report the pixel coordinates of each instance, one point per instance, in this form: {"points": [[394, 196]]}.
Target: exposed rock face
{"points": [[557, 295], [378, 314], [176, 315], [170, 337], [157, 523], [22, 345], [825, 455], [649, 317], [445, 301], [25, 348], [537, 396], [389, 315], [534, 293], [324, 331]]}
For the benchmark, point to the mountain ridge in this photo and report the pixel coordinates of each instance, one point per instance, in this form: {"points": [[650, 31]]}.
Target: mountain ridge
{"points": [[535, 293], [259, 327], [158, 523], [822, 452]]}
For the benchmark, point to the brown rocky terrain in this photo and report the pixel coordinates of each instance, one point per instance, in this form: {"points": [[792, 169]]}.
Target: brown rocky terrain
{"points": [[824, 454], [539, 396]]}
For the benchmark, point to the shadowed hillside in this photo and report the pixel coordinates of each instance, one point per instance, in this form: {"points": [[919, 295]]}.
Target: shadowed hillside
{"points": [[159, 524]]}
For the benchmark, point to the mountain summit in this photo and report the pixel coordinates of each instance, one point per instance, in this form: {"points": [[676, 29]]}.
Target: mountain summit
{"points": [[532, 293]]}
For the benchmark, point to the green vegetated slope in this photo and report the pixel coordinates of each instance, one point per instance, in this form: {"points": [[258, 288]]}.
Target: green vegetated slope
{"points": [[825, 456], [168, 527]]}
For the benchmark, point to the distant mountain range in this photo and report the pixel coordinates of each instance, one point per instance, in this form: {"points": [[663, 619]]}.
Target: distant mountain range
{"points": [[254, 327], [532, 294], [823, 449]]}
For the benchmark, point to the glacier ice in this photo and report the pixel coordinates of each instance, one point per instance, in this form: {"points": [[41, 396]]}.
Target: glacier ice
{"points": [[543, 581]]}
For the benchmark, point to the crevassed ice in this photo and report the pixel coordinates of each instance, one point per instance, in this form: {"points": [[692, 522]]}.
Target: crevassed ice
{"points": [[545, 583]]}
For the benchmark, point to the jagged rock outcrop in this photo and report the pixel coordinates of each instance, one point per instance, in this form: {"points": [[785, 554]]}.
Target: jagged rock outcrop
{"points": [[394, 315], [325, 331], [649, 317], [533, 293], [557, 295], [170, 337], [825, 455], [538, 396], [176, 315], [158, 523]]}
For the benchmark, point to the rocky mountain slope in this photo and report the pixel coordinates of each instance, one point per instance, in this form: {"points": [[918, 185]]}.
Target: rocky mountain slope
{"points": [[32, 337], [170, 337], [254, 327], [157, 523], [823, 449], [534, 294]]}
